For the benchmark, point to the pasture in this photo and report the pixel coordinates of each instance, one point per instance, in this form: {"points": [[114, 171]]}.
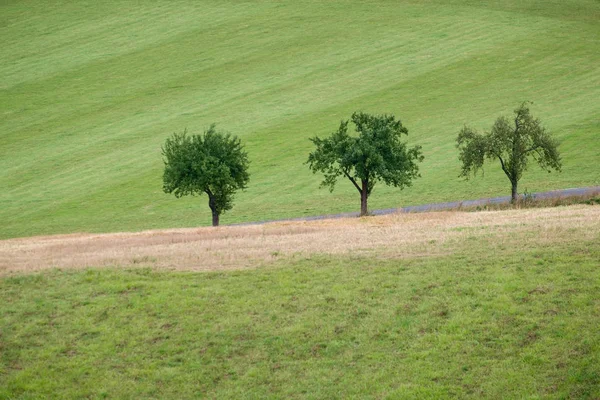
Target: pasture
{"points": [[496, 304], [490, 304], [90, 90]]}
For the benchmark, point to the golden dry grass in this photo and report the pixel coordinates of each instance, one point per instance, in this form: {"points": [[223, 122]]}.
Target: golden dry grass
{"points": [[223, 248]]}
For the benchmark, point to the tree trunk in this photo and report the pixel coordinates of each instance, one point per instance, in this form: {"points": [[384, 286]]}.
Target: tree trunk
{"points": [[514, 195], [363, 198], [213, 209]]}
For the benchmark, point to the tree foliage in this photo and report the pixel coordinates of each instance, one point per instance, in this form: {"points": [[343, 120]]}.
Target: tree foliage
{"points": [[213, 163], [377, 154], [513, 143]]}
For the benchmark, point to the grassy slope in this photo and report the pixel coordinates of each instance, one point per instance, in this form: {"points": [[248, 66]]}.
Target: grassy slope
{"points": [[89, 91], [501, 317]]}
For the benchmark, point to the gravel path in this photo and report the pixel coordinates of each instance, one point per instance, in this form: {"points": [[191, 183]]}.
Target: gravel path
{"points": [[447, 206]]}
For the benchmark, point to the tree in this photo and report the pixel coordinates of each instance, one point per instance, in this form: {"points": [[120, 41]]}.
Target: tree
{"points": [[376, 154], [214, 163], [513, 143]]}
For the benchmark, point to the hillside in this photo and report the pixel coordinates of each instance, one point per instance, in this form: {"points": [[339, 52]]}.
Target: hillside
{"points": [[90, 90], [479, 305]]}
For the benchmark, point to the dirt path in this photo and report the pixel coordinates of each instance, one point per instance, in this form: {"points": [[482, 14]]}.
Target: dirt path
{"points": [[397, 235], [553, 194]]}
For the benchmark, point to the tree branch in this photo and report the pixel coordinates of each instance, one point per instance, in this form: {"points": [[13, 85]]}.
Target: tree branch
{"points": [[532, 148], [519, 113], [504, 167], [353, 181]]}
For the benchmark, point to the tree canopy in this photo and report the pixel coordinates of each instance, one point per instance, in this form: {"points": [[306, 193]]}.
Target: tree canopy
{"points": [[213, 163], [512, 143], [376, 154]]}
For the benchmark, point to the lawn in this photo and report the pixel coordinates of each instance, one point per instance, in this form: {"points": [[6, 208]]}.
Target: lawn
{"points": [[499, 304], [90, 90]]}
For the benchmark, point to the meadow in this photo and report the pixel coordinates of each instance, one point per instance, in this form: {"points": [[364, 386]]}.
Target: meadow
{"points": [[90, 90], [490, 304], [495, 304]]}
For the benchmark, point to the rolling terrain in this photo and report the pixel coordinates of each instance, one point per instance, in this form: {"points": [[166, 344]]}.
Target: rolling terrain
{"points": [[500, 304], [90, 90], [112, 289]]}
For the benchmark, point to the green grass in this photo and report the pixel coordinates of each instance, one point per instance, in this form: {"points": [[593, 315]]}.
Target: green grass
{"points": [[89, 91], [502, 319]]}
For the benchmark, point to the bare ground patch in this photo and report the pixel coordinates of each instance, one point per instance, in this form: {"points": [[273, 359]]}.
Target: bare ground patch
{"points": [[390, 236]]}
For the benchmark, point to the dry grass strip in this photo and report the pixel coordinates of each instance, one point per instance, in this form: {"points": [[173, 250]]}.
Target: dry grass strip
{"points": [[223, 248]]}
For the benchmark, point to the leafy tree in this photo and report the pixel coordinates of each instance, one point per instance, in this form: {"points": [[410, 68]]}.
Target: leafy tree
{"points": [[513, 143], [376, 154], [214, 163]]}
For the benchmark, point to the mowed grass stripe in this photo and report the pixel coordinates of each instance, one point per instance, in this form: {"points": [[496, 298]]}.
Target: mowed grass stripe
{"points": [[276, 75], [263, 61], [57, 42], [449, 84], [348, 71], [374, 64]]}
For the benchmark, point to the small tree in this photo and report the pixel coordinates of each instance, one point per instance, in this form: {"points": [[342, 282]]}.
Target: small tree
{"points": [[214, 163], [512, 143], [377, 154]]}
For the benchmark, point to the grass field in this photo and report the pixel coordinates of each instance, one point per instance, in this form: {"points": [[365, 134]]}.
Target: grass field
{"points": [[500, 304], [89, 91]]}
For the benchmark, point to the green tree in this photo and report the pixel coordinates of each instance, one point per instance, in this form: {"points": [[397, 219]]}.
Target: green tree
{"points": [[214, 163], [376, 154], [512, 143]]}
